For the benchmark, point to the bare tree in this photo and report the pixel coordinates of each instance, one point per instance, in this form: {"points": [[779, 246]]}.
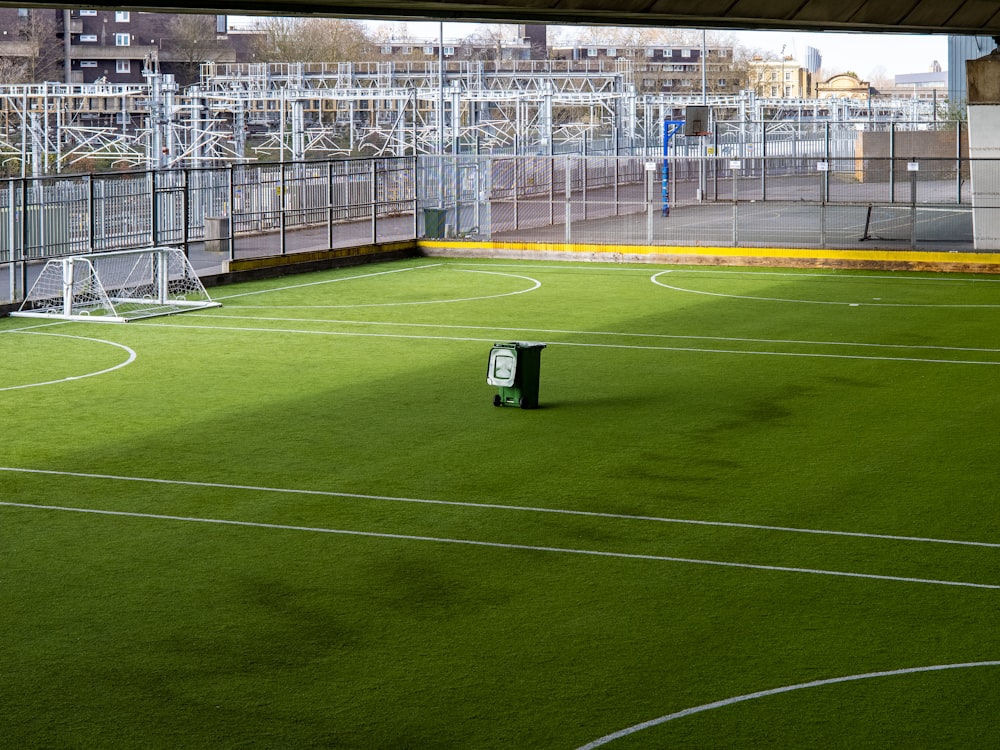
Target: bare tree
{"points": [[311, 40], [191, 41], [487, 43], [42, 57]]}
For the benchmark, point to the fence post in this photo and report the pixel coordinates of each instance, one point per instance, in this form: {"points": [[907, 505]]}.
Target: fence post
{"points": [[185, 219], [281, 208], [958, 162], [231, 184], [892, 162], [568, 191], [650, 167], [763, 162], [24, 237], [154, 214], [329, 204], [415, 181], [91, 219], [373, 196], [734, 167], [518, 166]]}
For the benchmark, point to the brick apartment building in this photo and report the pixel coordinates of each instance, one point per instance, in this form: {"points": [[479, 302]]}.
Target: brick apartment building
{"points": [[111, 46]]}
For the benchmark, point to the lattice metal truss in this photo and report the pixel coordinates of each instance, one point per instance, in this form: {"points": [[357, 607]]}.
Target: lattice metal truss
{"points": [[290, 112]]}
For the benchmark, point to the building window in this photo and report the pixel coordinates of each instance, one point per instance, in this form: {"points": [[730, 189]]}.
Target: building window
{"points": [[88, 37], [386, 49], [650, 52], [122, 16], [407, 50], [591, 52], [428, 50], [685, 53], [774, 91], [449, 51], [123, 66], [612, 52], [122, 40], [88, 13], [788, 75], [88, 63]]}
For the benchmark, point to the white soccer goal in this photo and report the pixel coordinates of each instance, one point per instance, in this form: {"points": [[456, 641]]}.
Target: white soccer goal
{"points": [[116, 287]]}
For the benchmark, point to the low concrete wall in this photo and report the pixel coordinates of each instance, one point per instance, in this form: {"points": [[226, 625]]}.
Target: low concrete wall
{"points": [[273, 266]]}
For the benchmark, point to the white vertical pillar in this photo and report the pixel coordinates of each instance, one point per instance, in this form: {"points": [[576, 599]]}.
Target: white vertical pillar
{"points": [[984, 149]]}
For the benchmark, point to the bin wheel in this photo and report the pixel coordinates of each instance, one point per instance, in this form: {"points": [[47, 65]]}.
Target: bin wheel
{"points": [[497, 400], [520, 402]]}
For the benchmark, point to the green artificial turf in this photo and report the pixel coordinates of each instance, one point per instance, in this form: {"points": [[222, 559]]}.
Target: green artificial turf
{"points": [[317, 532]]}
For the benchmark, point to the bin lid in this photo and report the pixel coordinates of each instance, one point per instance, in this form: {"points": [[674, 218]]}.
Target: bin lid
{"points": [[519, 345], [502, 367]]}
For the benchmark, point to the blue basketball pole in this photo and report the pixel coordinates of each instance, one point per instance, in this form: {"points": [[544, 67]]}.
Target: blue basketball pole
{"points": [[670, 129]]}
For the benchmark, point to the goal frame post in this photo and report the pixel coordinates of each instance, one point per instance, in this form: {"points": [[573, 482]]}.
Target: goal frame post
{"points": [[72, 288]]}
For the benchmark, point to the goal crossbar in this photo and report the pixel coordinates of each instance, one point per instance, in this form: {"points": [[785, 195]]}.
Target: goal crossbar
{"points": [[116, 287]]}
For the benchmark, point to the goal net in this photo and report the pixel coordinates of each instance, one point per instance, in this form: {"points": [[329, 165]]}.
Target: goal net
{"points": [[918, 223], [116, 287]]}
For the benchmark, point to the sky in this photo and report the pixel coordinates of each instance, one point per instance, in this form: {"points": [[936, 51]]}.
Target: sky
{"points": [[863, 54]]}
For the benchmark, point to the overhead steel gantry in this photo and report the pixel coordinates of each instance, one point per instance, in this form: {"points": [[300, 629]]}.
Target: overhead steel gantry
{"points": [[290, 112]]}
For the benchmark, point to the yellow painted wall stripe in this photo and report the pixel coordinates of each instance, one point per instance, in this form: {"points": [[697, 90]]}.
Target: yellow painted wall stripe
{"points": [[884, 256]]}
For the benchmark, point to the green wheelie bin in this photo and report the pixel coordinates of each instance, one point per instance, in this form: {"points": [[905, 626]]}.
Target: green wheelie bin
{"points": [[515, 368]]}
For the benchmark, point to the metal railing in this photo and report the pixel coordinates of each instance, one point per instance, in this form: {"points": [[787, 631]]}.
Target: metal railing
{"points": [[751, 200], [781, 201]]}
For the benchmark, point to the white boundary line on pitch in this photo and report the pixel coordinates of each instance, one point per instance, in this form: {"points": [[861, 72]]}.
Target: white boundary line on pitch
{"points": [[328, 281], [635, 347], [498, 506], [777, 691], [671, 336], [655, 279], [644, 268], [504, 545], [131, 358], [536, 283]]}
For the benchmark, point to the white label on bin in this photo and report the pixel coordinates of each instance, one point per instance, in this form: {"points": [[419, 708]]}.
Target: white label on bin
{"points": [[503, 366]]}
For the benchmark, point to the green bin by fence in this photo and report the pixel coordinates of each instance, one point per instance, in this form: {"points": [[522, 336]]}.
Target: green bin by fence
{"points": [[515, 368], [434, 222]]}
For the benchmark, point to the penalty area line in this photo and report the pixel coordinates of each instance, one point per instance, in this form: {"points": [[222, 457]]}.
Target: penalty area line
{"points": [[501, 545]]}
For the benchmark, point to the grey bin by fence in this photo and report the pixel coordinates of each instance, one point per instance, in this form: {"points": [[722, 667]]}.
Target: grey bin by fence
{"points": [[217, 234], [434, 222], [515, 368]]}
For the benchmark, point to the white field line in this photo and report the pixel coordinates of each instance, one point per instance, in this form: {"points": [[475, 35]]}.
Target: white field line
{"points": [[24, 329], [535, 282], [129, 360], [503, 545], [697, 350], [327, 281], [656, 280], [564, 332], [498, 506], [777, 691], [833, 276]]}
